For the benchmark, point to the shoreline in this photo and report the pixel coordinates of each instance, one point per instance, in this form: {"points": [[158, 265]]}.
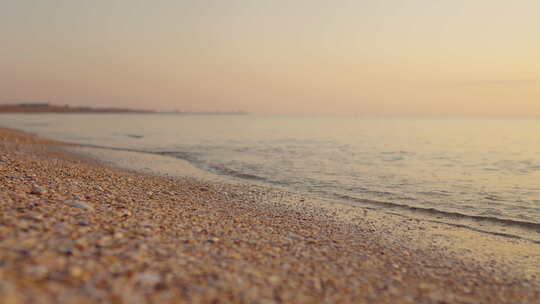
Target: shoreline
{"points": [[158, 164], [257, 244]]}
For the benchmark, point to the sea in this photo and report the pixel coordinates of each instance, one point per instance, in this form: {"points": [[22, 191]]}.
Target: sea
{"points": [[479, 168]]}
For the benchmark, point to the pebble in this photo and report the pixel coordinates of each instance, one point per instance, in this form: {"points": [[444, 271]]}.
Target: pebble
{"points": [[274, 280], [76, 272], [37, 190], [66, 247], [33, 217], [83, 222], [295, 237], [124, 213], [37, 272], [81, 205], [147, 279]]}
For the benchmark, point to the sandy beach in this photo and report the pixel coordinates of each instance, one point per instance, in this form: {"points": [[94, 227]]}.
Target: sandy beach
{"points": [[74, 230]]}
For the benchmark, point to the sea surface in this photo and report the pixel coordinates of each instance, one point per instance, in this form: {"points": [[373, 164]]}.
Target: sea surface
{"points": [[472, 167]]}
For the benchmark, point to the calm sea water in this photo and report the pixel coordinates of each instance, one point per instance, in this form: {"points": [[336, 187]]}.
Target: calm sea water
{"points": [[475, 167]]}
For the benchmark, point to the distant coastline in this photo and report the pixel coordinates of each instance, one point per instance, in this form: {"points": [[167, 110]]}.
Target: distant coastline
{"points": [[204, 112], [50, 108]]}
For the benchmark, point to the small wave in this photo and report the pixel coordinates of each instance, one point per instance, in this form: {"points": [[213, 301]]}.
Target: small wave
{"points": [[230, 172], [435, 193], [134, 135], [490, 212], [37, 124], [533, 226], [394, 152], [192, 157], [378, 193], [405, 198]]}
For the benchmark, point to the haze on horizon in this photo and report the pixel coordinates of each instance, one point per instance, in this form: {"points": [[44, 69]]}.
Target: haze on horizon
{"points": [[401, 57]]}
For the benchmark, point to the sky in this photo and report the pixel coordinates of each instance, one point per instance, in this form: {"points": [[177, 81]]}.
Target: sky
{"points": [[340, 57]]}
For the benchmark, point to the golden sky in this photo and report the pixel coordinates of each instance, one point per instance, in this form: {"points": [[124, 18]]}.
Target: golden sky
{"points": [[393, 57]]}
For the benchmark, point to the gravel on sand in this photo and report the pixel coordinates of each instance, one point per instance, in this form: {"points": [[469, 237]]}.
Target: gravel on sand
{"points": [[74, 231]]}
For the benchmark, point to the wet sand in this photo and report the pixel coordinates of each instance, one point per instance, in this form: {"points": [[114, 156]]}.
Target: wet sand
{"points": [[74, 230]]}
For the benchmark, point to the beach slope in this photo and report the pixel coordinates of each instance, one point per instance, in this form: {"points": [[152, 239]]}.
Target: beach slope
{"points": [[75, 231]]}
